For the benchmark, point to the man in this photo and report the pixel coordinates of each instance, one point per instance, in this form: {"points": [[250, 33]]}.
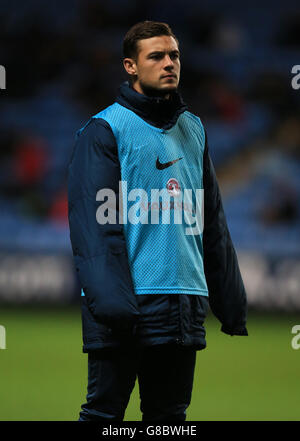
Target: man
{"points": [[147, 283]]}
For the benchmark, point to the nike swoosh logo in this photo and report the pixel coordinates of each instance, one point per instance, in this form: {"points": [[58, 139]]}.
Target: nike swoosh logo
{"points": [[161, 166]]}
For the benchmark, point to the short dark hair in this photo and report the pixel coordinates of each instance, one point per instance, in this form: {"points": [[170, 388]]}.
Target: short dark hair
{"points": [[141, 31]]}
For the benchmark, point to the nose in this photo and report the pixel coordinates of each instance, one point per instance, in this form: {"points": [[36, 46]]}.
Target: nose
{"points": [[169, 64]]}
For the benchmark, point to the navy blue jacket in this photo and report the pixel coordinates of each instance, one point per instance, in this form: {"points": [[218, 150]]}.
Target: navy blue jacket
{"points": [[112, 314]]}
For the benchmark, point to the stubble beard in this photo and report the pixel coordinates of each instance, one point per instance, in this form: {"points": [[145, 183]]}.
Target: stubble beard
{"points": [[157, 92]]}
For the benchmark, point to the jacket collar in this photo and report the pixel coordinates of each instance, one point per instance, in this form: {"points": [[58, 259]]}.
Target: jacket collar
{"points": [[155, 110]]}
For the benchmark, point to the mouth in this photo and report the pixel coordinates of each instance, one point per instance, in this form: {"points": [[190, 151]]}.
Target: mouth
{"points": [[169, 76]]}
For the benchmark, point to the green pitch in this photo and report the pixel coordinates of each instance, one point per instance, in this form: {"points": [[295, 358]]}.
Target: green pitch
{"points": [[43, 372]]}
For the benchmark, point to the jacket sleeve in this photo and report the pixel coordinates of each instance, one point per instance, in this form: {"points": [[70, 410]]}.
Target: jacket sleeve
{"points": [[227, 296], [99, 250]]}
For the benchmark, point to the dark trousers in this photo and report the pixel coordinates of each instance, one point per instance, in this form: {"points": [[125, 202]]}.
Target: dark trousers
{"points": [[165, 375]]}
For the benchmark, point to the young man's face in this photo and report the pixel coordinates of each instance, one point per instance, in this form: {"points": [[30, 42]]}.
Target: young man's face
{"points": [[157, 67]]}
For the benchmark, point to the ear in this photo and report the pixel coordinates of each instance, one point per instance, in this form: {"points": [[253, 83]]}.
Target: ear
{"points": [[130, 66]]}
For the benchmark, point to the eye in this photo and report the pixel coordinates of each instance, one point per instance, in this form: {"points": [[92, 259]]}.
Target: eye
{"points": [[156, 56]]}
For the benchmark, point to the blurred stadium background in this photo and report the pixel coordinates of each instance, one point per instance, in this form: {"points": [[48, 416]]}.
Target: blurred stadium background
{"points": [[63, 64]]}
